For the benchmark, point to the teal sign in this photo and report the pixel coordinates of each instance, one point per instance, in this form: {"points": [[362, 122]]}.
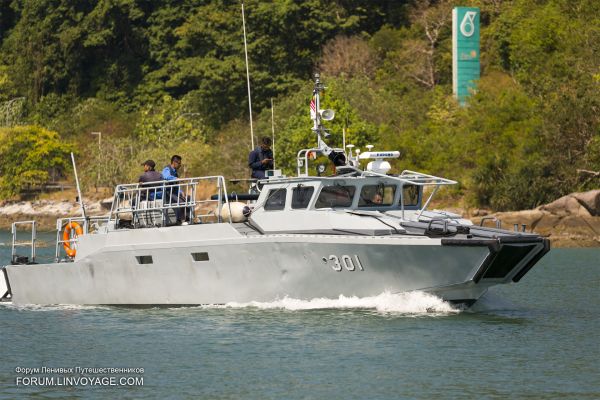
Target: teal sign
{"points": [[465, 51]]}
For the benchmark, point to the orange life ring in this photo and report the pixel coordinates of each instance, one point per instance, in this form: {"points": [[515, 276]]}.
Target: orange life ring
{"points": [[71, 251]]}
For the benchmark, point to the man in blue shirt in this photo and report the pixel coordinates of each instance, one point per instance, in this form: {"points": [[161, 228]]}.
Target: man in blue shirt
{"points": [[261, 159], [172, 195], [169, 173]]}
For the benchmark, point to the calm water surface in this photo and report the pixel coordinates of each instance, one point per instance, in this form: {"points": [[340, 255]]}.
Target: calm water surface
{"points": [[536, 339]]}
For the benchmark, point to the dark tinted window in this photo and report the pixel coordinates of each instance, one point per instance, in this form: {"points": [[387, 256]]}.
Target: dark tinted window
{"points": [[301, 196], [200, 256], [335, 196], [144, 259], [275, 200], [377, 195], [411, 195]]}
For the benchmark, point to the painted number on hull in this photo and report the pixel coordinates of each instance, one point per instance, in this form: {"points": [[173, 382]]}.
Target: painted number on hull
{"points": [[345, 261]]}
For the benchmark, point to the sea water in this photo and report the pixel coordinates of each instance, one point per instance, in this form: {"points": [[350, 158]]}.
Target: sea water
{"points": [[539, 338]]}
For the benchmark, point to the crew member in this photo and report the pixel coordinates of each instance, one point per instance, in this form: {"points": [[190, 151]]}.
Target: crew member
{"points": [[172, 194], [377, 199], [169, 173], [150, 174], [149, 179], [261, 158]]}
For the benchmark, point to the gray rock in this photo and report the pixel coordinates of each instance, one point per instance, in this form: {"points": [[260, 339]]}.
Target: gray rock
{"points": [[566, 205], [590, 200]]}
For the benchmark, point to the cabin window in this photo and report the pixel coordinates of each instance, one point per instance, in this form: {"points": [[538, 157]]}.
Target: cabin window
{"points": [[335, 196], [275, 199], [377, 195], [200, 256], [411, 195], [301, 196], [144, 259]]}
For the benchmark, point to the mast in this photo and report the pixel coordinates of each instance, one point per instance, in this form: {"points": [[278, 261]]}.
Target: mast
{"points": [[273, 131], [78, 188], [338, 158], [248, 78], [317, 127]]}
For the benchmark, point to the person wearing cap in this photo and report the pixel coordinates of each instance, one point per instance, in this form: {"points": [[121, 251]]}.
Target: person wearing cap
{"points": [[150, 175], [149, 178]]}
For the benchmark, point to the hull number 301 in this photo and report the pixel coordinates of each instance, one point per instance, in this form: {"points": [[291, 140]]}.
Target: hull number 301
{"points": [[351, 263]]}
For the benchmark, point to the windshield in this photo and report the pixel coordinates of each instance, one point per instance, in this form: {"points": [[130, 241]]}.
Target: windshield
{"points": [[377, 195], [335, 196]]}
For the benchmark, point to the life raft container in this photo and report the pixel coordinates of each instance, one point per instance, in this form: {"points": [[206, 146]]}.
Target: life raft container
{"points": [[69, 249]]}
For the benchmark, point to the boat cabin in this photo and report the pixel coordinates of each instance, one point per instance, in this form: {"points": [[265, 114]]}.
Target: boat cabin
{"points": [[368, 193]]}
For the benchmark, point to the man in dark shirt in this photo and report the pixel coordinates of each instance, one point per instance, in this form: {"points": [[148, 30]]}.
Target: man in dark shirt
{"points": [[150, 175], [261, 158]]}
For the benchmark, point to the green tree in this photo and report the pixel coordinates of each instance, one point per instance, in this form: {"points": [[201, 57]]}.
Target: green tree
{"points": [[168, 122], [30, 156], [552, 49]]}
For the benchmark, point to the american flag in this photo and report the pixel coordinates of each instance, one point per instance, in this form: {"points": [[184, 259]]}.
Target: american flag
{"points": [[313, 109]]}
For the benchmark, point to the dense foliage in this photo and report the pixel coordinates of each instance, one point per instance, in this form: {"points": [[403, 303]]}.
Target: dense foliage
{"points": [[29, 155], [169, 76]]}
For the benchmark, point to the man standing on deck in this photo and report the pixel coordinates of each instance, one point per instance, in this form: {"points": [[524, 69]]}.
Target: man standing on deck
{"points": [[261, 158], [172, 195]]}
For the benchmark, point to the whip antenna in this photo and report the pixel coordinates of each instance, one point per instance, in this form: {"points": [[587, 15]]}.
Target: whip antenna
{"points": [[248, 77], [273, 131], [78, 188]]}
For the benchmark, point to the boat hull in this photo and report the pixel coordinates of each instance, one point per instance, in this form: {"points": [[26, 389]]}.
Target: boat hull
{"points": [[260, 268]]}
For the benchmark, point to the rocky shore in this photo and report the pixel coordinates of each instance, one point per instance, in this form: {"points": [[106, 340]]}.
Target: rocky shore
{"points": [[571, 221], [46, 212]]}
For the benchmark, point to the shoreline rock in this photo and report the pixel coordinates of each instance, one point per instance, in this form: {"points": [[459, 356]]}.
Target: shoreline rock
{"points": [[45, 212], [570, 221]]}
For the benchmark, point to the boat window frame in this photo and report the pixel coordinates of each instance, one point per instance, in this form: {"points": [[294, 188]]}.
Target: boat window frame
{"points": [[268, 196], [311, 200], [334, 184], [384, 184], [400, 195]]}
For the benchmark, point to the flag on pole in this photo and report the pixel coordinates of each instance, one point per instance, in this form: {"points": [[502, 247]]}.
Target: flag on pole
{"points": [[313, 109]]}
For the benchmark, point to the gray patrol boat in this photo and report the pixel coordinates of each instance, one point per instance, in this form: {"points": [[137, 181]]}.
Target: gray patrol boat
{"points": [[355, 233]]}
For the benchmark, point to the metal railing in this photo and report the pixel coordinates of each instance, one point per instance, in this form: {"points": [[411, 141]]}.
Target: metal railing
{"points": [[88, 225], [164, 203], [493, 219], [302, 159], [417, 179], [137, 200], [14, 257]]}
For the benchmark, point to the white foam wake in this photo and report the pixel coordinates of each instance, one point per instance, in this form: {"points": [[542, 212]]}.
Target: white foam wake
{"points": [[387, 303], [404, 303]]}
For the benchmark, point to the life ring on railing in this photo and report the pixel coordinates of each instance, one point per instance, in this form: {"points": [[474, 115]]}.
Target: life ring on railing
{"points": [[71, 251]]}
